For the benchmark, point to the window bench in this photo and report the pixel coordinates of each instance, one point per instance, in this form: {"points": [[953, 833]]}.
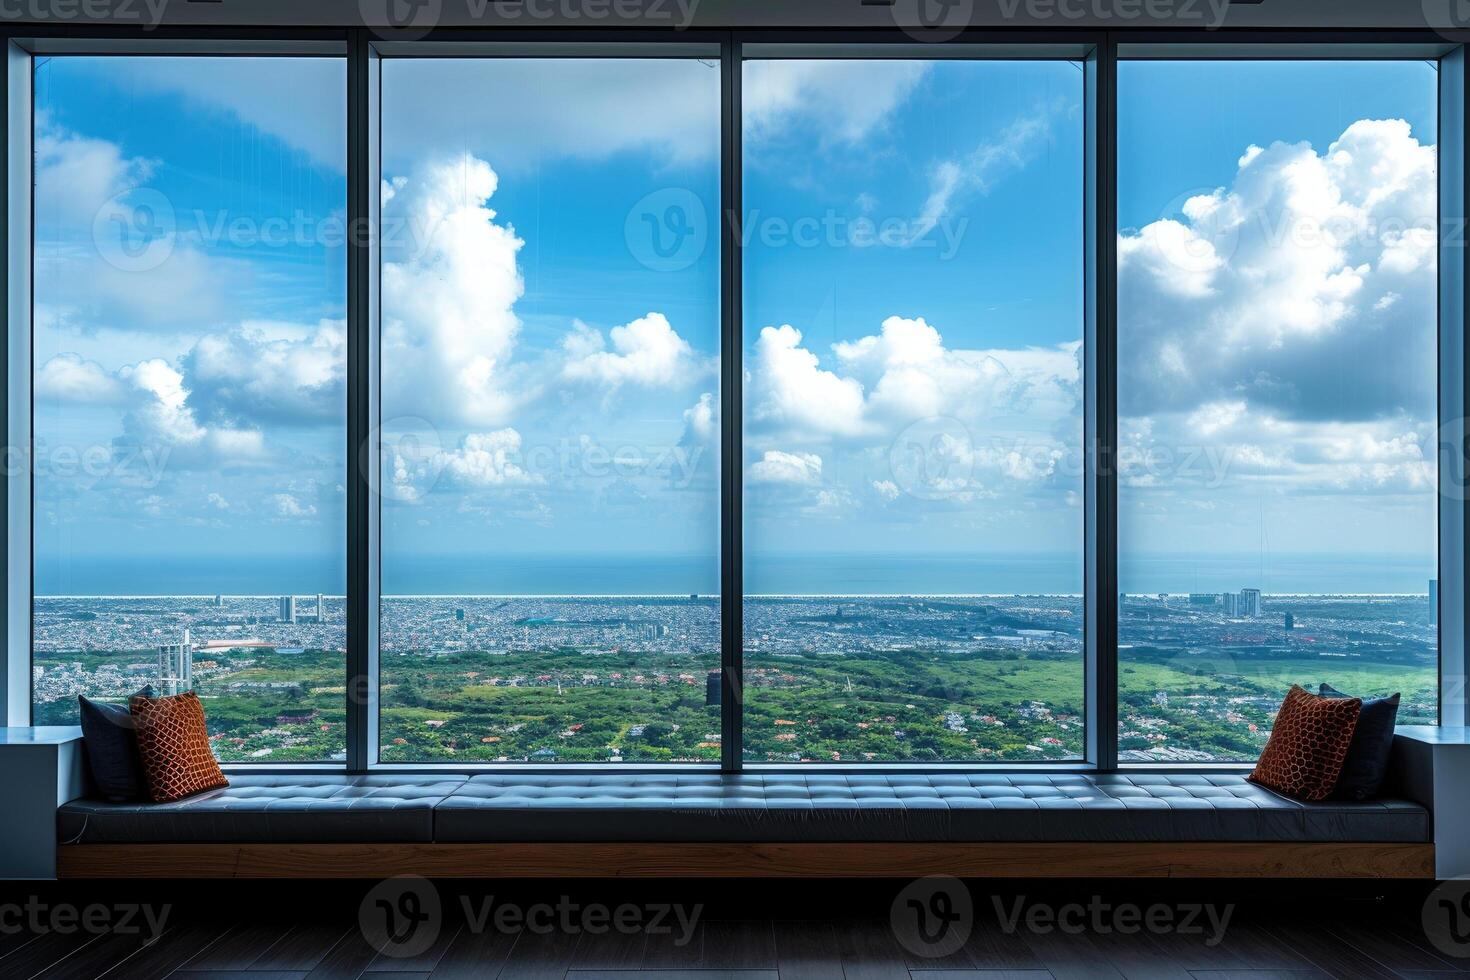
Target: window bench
{"points": [[513, 824]]}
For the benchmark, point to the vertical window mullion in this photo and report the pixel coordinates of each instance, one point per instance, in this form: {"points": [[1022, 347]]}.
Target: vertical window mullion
{"points": [[1454, 476], [732, 592], [15, 401], [361, 459], [1100, 592]]}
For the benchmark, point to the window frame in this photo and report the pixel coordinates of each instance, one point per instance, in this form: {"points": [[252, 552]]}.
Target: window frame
{"points": [[1099, 51]]}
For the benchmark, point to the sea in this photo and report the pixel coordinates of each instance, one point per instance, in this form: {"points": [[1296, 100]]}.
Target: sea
{"points": [[767, 574]]}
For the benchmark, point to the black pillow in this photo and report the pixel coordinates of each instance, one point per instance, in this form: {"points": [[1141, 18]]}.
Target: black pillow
{"points": [[1366, 765], [112, 748]]}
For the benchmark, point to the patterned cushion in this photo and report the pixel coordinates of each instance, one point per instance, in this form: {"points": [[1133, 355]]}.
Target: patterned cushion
{"points": [[174, 744], [1308, 744]]}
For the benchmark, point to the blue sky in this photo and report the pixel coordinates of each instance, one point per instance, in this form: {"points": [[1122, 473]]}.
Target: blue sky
{"points": [[913, 302]]}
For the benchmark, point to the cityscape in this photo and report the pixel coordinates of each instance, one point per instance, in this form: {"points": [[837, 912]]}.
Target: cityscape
{"points": [[827, 679]]}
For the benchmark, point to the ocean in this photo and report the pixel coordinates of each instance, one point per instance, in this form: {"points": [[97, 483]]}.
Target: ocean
{"points": [[861, 574]]}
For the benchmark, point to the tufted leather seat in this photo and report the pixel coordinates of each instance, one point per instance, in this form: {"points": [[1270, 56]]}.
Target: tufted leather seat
{"points": [[280, 808], [905, 807], [752, 806]]}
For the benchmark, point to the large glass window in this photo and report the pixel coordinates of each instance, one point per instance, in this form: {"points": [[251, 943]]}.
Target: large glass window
{"points": [[550, 392], [188, 452], [913, 419], [1276, 388]]}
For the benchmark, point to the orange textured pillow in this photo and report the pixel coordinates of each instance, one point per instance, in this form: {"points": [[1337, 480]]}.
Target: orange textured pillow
{"points": [[174, 744], [1308, 745]]}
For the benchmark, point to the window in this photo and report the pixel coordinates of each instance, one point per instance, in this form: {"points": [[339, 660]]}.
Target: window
{"points": [[913, 417], [1276, 387], [550, 392], [189, 402], [899, 310]]}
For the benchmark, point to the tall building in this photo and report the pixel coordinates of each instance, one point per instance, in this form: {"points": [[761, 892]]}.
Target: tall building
{"points": [[321, 616], [288, 609], [219, 601], [176, 666], [1250, 603], [1231, 602], [1290, 623], [1434, 602]]}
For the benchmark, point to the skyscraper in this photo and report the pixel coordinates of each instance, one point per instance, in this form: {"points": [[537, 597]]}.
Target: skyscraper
{"points": [[320, 615], [288, 609], [176, 666], [1250, 603], [1231, 602]]}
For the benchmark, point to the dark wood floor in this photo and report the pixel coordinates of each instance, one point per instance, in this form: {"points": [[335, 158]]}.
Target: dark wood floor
{"points": [[765, 931]]}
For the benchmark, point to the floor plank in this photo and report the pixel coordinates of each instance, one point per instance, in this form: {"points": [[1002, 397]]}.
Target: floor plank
{"points": [[301, 949], [475, 954], [739, 944], [807, 950]]}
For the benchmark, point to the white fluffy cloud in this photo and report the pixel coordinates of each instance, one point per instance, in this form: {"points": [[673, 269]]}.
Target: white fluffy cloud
{"points": [[287, 507], [1282, 286], [791, 391], [449, 292], [72, 379], [271, 372], [1280, 332], [161, 419], [700, 420], [798, 469], [901, 375], [645, 352], [488, 459]]}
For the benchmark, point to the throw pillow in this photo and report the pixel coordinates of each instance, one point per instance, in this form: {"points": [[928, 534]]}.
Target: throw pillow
{"points": [[1308, 744], [173, 742], [1366, 766], [111, 747]]}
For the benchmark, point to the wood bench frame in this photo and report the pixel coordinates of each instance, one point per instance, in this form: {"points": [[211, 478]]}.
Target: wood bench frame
{"points": [[751, 860]]}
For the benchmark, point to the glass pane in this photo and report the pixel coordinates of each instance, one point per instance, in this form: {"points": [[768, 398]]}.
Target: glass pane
{"points": [[913, 419], [1276, 386], [189, 392], [550, 325]]}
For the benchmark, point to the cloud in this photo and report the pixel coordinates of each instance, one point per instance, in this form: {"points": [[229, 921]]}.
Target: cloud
{"points": [[488, 459], [295, 100], [886, 489], [844, 101], [75, 175], [791, 392], [645, 352], [978, 171], [287, 507], [798, 469], [700, 420], [281, 374], [1276, 289], [449, 292], [899, 376], [71, 379], [160, 418], [583, 108]]}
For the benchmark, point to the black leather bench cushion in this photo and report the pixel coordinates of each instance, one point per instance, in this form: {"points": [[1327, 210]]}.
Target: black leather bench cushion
{"points": [[279, 808], [905, 807]]}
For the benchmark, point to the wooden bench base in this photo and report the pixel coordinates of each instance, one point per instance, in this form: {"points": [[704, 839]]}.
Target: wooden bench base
{"points": [[746, 860]]}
